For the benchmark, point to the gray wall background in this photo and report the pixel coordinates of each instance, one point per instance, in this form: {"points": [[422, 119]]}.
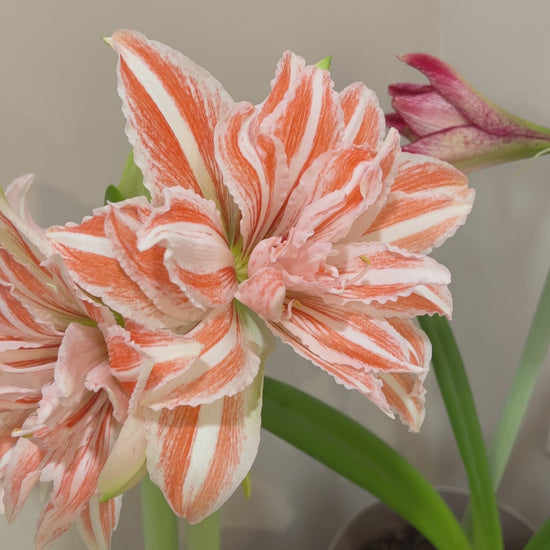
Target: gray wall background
{"points": [[60, 118]]}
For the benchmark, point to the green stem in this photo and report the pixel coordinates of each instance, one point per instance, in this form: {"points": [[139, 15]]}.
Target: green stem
{"points": [[204, 535], [534, 351], [159, 523]]}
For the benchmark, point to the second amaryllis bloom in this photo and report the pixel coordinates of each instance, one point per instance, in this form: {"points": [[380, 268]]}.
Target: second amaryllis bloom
{"points": [[450, 120], [61, 405], [299, 215]]}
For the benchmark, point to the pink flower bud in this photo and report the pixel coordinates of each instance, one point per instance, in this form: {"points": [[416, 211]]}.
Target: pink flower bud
{"points": [[450, 120]]}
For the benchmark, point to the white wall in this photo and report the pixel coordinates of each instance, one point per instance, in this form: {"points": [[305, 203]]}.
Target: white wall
{"points": [[60, 118]]}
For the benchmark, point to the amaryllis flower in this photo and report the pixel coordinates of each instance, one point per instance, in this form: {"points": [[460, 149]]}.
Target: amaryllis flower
{"points": [[450, 120], [60, 405], [298, 212]]}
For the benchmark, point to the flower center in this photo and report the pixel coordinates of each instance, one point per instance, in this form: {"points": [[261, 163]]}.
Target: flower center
{"points": [[241, 261]]}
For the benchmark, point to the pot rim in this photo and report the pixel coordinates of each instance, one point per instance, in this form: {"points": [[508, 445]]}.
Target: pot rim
{"points": [[443, 490]]}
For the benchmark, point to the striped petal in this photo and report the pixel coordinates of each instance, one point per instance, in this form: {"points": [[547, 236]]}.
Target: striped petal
{"points": [[14, 208], [429, 201], [264, 292], [172, 106], [146, 267], [343, 184], [91, 259], [423, 300], [375, 272], [356, 349], [38, 282], [199, 455], [363, 117], [97, 522], [255, 171], [18, 327], [76, 482], [226, 364], [404, 391], [302, 112], [22, 474], [197, 257]]}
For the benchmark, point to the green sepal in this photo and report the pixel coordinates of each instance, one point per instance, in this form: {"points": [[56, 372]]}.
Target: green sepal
{"points": [[324, 63], [113, 194]]}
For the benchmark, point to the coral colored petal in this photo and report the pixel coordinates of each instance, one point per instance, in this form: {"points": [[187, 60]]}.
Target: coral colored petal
{"points": [[136, 351], [91, 259], [172, 106], [302, 112], [387, 161], [264, 292], [199, 455], [198, 258], [255, 171], [374, 272], [363, 117], [98, 521], [129, 365], [342, 336], [425, 299], [429, 200], [225, 366], [75, 484], [37, 282], [341, 186], [357, 350], [404, 391], [22, 474], [19, 325], [146, 267]]}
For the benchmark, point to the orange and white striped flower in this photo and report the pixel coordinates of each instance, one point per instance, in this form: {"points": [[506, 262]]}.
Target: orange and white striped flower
{"points": [[60, 405], [300, 209]]}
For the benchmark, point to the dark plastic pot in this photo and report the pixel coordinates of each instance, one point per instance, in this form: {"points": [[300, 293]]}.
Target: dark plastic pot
{"points": [[378, 520]]}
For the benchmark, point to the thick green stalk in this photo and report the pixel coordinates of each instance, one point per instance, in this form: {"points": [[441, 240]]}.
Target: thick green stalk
{"points": [[204, 535], [159, 523], [532, 357]]}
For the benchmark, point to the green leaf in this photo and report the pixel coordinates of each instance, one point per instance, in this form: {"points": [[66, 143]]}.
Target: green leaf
{"points": [[159, 523], [354, 452], [541, 539], [324, 63], [519, 395], [459, 402], [130, 185]]}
